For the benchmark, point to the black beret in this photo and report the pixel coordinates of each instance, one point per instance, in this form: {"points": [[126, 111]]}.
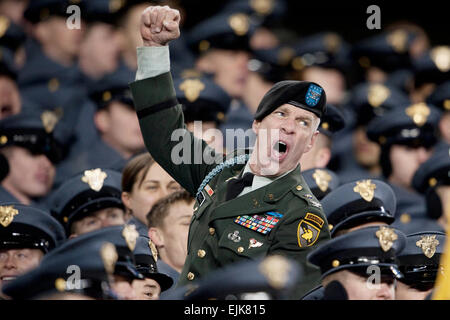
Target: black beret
{"points": [[303, 94]]}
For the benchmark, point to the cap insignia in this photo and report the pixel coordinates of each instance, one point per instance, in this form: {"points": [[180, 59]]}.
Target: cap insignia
{"points": [[441, 57], [386, 237], [428, 245], [398, 40], [365, 188], [115, 5], [377, 95], [419, 113], [130, 235], [153, 250], [109, 256], [192, 88], [276, 269], [49, 120], [322, 179], [94, 178], [313, 95], [239, 23], [332, 42], [262, 7], [4, 25], [7, 214]]}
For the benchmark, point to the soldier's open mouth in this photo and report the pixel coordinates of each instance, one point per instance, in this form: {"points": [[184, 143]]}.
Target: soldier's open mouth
{"points": [[280, 147]]}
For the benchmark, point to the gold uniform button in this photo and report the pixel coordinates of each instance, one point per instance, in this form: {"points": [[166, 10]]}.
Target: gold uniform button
{"points": [[201, 253], [299, 188], [212, 231], [190, 276], [240, 249], [335, 263]]}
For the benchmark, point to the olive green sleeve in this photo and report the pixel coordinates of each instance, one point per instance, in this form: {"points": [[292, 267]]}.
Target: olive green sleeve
{"points": [[160, 115], [288, 241]]}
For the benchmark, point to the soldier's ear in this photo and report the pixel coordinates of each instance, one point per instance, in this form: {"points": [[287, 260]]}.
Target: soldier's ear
{"points": [[125, 196], [155, 235], [255, 126], [101, 120], [311, 142]]}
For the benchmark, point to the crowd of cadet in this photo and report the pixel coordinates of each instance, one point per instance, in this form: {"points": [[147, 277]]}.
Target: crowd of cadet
{"points": [[79, 190]]}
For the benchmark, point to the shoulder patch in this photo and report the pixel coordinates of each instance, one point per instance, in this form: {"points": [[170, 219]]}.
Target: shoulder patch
{"points": [[308, 229]]}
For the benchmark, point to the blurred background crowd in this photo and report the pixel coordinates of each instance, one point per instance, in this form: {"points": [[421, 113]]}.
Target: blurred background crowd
{"points": [[71, 145]]}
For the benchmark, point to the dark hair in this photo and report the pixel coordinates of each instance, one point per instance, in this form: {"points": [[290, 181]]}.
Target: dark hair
{"points": [[161, 208], [135, 171]]}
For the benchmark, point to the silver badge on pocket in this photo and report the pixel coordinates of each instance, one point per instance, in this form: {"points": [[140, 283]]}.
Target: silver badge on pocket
{"points": [[234, 236]]}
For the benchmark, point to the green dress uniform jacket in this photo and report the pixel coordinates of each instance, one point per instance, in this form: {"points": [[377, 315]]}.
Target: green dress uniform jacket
{"points": [[282, 217]]}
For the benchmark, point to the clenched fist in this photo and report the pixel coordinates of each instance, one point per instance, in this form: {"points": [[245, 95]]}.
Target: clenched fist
{"points": [[159, 25]]}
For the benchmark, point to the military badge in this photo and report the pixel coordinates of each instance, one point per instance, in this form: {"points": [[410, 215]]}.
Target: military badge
{"points": [[276, 269], [419, 113], [377, 95], [428, 245], [322, 179], [365, 188], [262, 7], [240, 24], [7, 214], [109, 256], [386, 237], [130, 235], [94, 178], [200, 198], [153, 250], [398, 40], [307, 234], [235, 237], [313, 95], [441, 57], [49, 120], [192, 88], [209, 190], [253, 243], [259, 223]]}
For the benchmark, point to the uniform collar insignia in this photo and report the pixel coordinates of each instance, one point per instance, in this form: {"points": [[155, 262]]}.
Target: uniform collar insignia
{"points": [[276, 269], [192, 88], [239, 23], [109, 256], [7, 214], [377, 95], [365, 188], [428, 245], [94, 178], [322, 179], [386, 237], [153, 250], [419, 113]]}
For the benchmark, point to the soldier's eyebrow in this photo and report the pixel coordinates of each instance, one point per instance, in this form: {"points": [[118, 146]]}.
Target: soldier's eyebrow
{"points": [[151, 286]]}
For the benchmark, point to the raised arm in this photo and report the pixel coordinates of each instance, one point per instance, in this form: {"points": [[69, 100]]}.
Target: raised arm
{"points": [[160, 115]]}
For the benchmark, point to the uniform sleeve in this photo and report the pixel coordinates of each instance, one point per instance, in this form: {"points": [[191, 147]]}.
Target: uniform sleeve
{"points": [[303, 229], [165, 135]]}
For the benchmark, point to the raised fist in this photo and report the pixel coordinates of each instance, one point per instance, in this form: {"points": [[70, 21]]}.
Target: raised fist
{"points": [[159, 25]]}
